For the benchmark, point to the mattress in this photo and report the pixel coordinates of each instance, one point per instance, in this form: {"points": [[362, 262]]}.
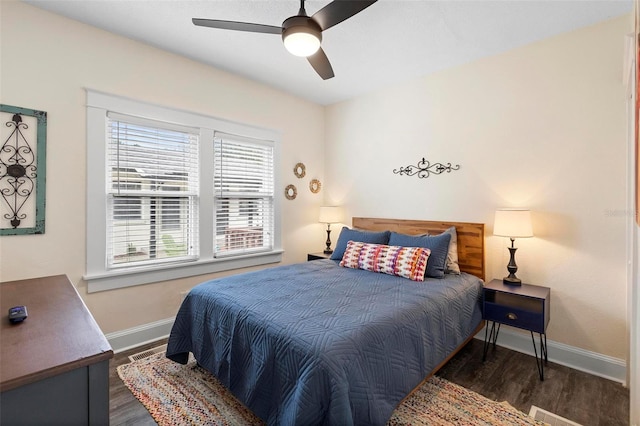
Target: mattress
{"points": [[318, 344]]}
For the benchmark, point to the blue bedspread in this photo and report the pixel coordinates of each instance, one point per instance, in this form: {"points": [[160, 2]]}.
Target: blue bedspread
{"points": [[317, 344]]}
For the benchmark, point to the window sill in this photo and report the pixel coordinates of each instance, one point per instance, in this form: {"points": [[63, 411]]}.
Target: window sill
{"points": [[120, 279]]}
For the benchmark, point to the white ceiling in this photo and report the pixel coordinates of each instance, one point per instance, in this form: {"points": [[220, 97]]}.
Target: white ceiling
{"points": [[390, 41]]}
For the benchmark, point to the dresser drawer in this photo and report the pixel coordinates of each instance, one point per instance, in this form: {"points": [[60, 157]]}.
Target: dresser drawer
{"points": [[514, 317]]}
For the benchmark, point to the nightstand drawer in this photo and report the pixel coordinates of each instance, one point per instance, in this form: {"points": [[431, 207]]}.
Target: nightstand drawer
{"points": [[514, 317]]}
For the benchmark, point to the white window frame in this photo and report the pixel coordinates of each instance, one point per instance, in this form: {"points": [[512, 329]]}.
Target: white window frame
{"points": [[98, 276]]}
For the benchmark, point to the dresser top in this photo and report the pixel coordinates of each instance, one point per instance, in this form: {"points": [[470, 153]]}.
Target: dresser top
{"points": [[59, 334]]}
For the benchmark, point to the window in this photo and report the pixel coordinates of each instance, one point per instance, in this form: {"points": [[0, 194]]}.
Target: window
{"points": [[146, 158], [243, 185], [174, 194]]}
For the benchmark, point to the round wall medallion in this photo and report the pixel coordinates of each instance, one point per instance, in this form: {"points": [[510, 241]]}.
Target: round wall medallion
{"points": [[299, 170], [290, 192], [315, 186]]}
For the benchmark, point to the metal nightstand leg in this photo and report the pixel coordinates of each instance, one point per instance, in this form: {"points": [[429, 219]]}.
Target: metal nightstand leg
{"points": [[543, 353], [493, 336]]}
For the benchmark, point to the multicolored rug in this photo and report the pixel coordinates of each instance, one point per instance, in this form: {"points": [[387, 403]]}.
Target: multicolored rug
{"points": [[178, 394]]}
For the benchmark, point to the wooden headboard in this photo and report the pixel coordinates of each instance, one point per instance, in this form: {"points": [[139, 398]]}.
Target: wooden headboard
{"points": [[470, 237]]}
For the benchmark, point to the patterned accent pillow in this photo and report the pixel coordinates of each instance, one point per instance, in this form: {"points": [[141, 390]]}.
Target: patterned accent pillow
{"points": [[406, 262], [438, 244]]}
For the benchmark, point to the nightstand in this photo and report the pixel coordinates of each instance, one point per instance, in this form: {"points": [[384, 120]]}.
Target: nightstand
{"points": [[318, 255], [526, 306]]}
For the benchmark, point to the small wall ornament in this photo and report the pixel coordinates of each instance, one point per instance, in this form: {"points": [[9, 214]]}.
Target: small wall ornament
{"points": [[299, 170], [315, 186], [22, 170], [424, 169], [290, 192]]}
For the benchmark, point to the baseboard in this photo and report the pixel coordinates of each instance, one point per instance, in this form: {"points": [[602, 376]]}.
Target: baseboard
{"points": [[579, 359], [133, 337]]}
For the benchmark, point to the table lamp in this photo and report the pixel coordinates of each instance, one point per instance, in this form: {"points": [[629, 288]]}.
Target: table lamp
{"points": [[512, 223], [329, 215]]}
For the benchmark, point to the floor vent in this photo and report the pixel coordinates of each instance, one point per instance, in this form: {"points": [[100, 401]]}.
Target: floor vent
{"points": [[147, 353], [550, 418]]}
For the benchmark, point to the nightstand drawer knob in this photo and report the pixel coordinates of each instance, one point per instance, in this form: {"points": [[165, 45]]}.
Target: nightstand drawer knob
{"points": [[512, 316]]}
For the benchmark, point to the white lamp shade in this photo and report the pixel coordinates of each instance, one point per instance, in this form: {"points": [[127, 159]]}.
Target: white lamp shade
{"points": [[330, 214], [513, 223]]}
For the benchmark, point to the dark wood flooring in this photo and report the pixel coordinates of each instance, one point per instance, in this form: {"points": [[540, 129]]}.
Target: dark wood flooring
{"points": [[124, 408], [512, 376], [506, 375]]}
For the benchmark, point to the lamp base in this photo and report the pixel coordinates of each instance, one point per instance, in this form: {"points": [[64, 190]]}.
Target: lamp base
{"points": [[512, 268], [512, 280], [328, 249]]}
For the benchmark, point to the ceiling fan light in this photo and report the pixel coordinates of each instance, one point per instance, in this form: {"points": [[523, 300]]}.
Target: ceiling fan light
{"points": [[301, 44], [301, 35]]}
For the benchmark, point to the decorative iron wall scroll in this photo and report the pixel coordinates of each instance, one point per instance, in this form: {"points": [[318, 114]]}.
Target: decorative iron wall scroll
{"points": [[424, 168], [23, 138]]}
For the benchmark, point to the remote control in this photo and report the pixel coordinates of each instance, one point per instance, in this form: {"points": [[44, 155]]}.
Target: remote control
{"points": [[17, 314]]}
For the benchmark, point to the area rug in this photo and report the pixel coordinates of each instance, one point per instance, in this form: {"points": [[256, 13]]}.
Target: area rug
{"points": [[176, 394]]}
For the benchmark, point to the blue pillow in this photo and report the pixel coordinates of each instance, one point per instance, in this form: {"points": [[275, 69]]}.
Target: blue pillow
{"points": [[438, 244], [347, 235]]}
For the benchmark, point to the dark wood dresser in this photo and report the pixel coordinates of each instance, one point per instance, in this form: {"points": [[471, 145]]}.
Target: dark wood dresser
{"points": [[54, 366]]}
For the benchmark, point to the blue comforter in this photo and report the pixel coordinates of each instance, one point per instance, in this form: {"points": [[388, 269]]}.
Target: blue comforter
{"points": [[317, 344]]}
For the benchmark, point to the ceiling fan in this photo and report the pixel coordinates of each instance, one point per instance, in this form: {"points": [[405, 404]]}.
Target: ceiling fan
{"points": [[301, 33]]}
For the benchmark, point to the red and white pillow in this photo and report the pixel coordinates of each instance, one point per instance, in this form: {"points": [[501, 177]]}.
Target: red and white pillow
{"points": [[407, 262]]}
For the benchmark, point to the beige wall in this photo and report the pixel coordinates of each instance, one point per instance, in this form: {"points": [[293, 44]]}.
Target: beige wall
{"points": [[46, 63], [542, 126]]}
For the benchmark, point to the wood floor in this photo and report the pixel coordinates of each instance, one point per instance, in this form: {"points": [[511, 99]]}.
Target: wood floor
{"points": [[506, 375], [512, 376]]}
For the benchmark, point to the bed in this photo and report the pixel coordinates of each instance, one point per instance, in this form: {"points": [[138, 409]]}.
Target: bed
{"points": [[316, 343]]}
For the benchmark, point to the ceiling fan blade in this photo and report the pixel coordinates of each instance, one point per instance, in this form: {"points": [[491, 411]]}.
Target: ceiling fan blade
{"points": [[339, 10], [321, 64], [237, 26]]}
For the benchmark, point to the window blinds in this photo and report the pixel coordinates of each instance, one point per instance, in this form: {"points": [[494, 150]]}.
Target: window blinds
{"points": [[152, 191], [244, 194]]}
